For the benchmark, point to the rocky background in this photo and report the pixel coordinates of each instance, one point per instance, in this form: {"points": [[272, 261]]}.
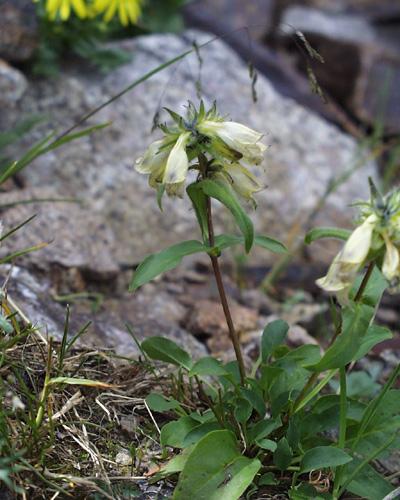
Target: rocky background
{"points": [[112, 221]]}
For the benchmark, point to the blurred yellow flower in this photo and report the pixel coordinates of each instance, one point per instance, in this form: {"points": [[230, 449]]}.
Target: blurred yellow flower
{"points": [[63, 7], [128, 10], [376, 238]]}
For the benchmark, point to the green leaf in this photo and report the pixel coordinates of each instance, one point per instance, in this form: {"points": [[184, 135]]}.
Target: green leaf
{"points": [[373, 292], [283, 454], [375, 335], [270, 244], [322, 457], [344, 349], [208, 366], [368, 483], [228, 240], [5, 325], [166, 350], [243, 410], [226, 196], [157, 263], [199, 202], [159, 403], [267, 479], [216, 470], [174, 433], [267, 444], [263, 429], [273, 335], [326, 232], [199, 432], [174, 465]]}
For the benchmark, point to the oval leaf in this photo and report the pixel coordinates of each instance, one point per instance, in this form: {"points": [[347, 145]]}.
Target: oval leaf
{"points": [[322, 457], [167, 259], [166, 350], [216, 470], [208, 366]]}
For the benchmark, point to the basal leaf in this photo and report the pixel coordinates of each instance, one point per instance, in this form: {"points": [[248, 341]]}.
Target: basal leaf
{"points": [[322, 457], [208, 366], [273, 335], [173, 433], [164, 349], [159, 403], [216, 470]]}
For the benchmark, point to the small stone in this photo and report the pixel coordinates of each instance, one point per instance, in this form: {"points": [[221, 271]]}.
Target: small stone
{"points": [[124, 458], [207, 318], [129, 424]]}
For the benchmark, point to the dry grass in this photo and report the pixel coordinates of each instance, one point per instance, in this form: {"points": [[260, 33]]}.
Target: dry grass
{"points": [[89, 441]]}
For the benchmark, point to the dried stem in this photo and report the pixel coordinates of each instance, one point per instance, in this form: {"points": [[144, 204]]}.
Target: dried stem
{"points": [[224, 302]]}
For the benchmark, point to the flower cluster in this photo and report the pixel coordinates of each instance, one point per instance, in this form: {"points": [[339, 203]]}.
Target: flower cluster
{"points": [[376, 238], [128, 10], [229, 147]]}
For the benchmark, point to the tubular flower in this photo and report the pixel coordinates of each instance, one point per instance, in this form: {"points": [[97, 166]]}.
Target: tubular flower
{"points": [[63, 7], [237, 137], [166, 164], [228, 147], [376, 238], [128, 10]]}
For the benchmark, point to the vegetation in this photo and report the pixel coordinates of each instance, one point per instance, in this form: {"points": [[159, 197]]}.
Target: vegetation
{"points": [[290, 422]]}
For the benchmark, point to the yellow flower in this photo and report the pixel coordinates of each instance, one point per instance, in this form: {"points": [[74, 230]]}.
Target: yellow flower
{"points": [[237, 137], [226, 149], [166, 164], [377, 238], [350, 259], [63, 7], [244, 183], [128, 10]]}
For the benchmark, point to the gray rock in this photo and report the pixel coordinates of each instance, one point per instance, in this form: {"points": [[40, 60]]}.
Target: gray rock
{"points": [[13, 84], [18, 29], [362, 63], [305, 152]]}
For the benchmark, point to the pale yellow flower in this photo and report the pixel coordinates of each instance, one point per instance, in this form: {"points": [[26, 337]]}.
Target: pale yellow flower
{"points": [[237, 137], [128, 10], [166, 164], [244, 183], [350, 259], [64, 7]]}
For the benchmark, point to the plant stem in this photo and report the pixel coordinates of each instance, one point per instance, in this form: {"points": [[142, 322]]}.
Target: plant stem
{"points": [[342, 428], [364, 282], [224, 302], [343, 407], [313, 378]]}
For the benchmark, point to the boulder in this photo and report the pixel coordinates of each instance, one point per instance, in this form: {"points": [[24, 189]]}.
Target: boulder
{"points": [[18, 29], [305, 153], [13, 84], [362, 61]]}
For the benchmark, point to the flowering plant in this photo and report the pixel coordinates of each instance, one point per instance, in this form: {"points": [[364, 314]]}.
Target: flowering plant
{"points": [[377, 239], [226, 150]]}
